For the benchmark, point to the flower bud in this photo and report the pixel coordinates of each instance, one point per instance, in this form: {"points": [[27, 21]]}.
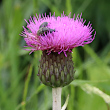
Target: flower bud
{"points": [[55, 69]]}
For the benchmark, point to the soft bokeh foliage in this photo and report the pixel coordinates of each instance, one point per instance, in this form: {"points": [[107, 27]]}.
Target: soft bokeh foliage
{"points": [[20, 88]]}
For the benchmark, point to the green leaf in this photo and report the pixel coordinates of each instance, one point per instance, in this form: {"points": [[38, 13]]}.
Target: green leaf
{"points": [[91, 89], [65, 104]]}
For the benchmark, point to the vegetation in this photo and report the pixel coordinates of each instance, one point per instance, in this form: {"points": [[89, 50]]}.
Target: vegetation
{"points": [[21, 89]]}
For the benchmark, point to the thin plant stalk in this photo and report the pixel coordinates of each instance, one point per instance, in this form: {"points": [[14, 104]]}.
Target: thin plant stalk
{"points": [[26, 88], [56, 93]]}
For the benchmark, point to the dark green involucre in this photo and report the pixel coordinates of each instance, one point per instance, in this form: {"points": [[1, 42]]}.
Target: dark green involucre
{"points": [[55, 69]]}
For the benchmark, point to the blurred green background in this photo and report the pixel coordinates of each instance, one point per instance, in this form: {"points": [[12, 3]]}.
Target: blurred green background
{"points": [[21, 89]]}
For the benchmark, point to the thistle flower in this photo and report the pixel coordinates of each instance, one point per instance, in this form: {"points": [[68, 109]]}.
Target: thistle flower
{"points": [[56, 37]]}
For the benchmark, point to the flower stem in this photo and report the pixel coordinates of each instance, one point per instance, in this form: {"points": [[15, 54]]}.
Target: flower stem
{"points": [[56, 92]]}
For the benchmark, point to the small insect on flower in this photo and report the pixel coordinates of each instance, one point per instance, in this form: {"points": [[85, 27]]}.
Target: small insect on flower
{"points": [[44, 24], [43, 30]]}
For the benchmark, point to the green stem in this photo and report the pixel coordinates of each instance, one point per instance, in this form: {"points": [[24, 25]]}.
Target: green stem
{"points": [[26, 88]]}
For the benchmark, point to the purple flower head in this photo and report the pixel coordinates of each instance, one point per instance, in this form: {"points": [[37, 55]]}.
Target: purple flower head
{"points": [[60, 34]]}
